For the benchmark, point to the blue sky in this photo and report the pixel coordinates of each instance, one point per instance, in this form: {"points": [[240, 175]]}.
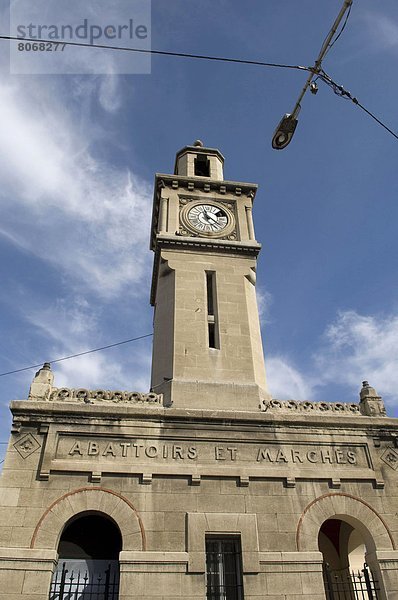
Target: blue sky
{"points": [[77, 159]]}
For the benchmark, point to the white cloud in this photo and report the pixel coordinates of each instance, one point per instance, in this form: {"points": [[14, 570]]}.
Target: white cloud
{"points": [[85, 217], [285, 381], [64, 205], [66, 321], [109, 92], [353, 348], [382, 30], [99, 371], [70, 326], [358, 347], [264, 302]]}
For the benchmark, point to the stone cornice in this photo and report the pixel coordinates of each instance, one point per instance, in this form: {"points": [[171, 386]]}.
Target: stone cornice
{"points": [[206, 184], [27, 410], [169, 242]]}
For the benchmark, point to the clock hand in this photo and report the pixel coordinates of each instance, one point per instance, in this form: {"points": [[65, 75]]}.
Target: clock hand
{"points": [[210, 217]]}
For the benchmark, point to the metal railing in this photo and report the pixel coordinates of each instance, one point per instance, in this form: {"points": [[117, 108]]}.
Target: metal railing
{"points": [[72, 585], [359, 585]]}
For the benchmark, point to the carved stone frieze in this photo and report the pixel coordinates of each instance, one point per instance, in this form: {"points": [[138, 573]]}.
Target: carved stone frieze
{"points": [[99, 396], [294, 406]]}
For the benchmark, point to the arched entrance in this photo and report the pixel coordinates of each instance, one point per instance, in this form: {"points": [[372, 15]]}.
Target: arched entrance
{"points": [[88, 564], [346, 574]]}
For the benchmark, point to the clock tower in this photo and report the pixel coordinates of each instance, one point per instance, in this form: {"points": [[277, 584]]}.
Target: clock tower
{"points": [[207, 349]]}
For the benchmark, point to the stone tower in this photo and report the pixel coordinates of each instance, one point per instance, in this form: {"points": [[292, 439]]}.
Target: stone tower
{"points": [[205, 486], [207, 347]]}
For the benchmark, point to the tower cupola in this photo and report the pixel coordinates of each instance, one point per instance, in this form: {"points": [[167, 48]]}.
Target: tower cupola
{"points": [[198, 161]]}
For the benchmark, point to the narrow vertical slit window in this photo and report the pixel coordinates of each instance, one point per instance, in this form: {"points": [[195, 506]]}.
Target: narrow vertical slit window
{"points": [[212, 321], [224, 568]]}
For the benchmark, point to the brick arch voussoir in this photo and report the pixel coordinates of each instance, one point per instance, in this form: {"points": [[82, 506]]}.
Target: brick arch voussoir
{"points": [[112, 504], [340, 505]]}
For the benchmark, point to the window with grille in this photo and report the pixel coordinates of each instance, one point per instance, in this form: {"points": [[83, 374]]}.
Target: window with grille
{"points": [[224, 568]]}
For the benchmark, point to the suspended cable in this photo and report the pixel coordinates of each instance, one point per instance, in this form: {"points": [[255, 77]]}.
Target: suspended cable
{"points": [[340, 91], [161, 53], [141, 337]]}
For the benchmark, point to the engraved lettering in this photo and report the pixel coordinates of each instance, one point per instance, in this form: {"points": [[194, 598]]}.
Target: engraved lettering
{"points": [[109, 450], [151, 451], [312, 456], [75, 449], [93, 449], [232, 452], [340, 457], [165, 452], [281, 456], [351, 457], [296, 456], [137, 449], [326, 456], [178, 452], [219, 450], [124, 446], [264, 454], [192, 453]]}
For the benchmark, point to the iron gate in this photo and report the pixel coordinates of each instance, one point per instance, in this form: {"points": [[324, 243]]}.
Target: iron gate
{"points": [[69, 585], [360, 585]]}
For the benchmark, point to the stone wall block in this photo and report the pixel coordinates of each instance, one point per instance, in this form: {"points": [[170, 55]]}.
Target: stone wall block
{"points": [[33, 498], [287, 523], [32, 517], [130, 581], [12, 517], [383, 542], [35, 583], [19, 478], [46, 539], [279, 583], [164, 585], [338, 504], [61, 512], [132, 541], [311, 583], [322, 510], [165, 540], [153, 521], [174, 521], [255, 586], [196, 524], [9, 496], [12, 581], [221, 522], [5, 536], [78, 502], [193, 585], [21, 537], [221, 504]]}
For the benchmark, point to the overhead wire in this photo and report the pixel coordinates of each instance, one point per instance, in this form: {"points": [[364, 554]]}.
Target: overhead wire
{"points": [[217, 59], [340, 91], [161, 53], [56, 360]]}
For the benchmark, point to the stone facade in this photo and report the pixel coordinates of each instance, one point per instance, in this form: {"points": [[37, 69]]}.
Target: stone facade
{"points": [[207, 452]]}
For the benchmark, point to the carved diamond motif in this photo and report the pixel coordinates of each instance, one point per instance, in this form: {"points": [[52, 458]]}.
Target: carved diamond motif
{"points": [[27, 445], [390, 457]]}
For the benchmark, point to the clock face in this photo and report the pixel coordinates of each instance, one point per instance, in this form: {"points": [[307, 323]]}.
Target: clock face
{"points": [[208, 218]]}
